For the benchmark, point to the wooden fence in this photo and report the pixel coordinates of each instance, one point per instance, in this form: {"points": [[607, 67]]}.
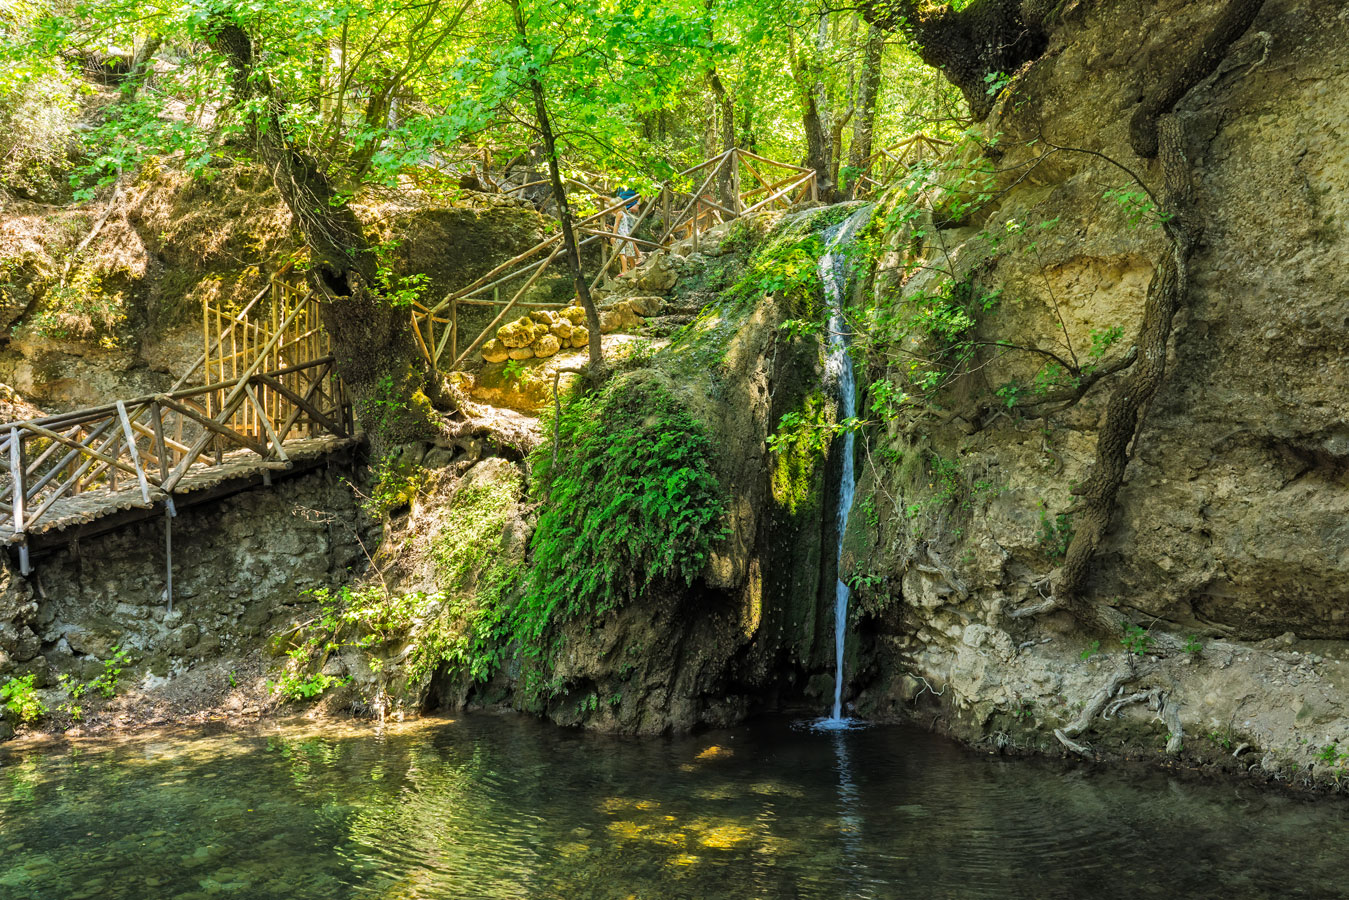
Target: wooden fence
{"points": [[886, 164], [730, 185], [270, 378]]}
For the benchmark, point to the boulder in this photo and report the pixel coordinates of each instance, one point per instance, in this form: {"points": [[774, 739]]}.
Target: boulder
{"points": [[562, 331], [543, 316], [519, 333], [646, 306], [580, 335], [494, 351], [576, 315], [521, 353], [657, 275], [546, 346]]}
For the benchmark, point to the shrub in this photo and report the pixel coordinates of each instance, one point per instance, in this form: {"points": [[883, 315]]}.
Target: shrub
{"points": [[631, 502], [21, 700]]}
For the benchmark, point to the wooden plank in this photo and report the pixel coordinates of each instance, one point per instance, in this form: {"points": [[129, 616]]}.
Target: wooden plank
{"points": [[308, 398], [215, 426], [85, 449], [161, 451], [131, 448], [67, 459]]}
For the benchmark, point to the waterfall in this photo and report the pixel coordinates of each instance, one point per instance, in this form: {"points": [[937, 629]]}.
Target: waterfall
{"points": [[838, 368]]}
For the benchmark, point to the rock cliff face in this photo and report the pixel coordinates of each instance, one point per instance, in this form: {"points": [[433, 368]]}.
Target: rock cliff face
{"points": [[1231, 531]]}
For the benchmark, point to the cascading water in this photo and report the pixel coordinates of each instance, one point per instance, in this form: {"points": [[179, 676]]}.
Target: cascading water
{"points": [[838, 368]]}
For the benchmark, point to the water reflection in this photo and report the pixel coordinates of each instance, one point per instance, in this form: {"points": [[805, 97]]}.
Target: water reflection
{"points": [[503, 807]]}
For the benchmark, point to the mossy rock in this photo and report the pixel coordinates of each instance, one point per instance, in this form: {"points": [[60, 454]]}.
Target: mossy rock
{"points": [[516, 334], [494, 351], [546, 346]]}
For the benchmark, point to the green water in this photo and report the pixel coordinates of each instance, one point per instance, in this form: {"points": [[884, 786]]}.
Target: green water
{"points": [[505, 807]]}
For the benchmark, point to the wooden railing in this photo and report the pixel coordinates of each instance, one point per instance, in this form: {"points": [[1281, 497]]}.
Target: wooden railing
{"points": [[150, 443], [682, 214], [268, 373], [886, 164]]}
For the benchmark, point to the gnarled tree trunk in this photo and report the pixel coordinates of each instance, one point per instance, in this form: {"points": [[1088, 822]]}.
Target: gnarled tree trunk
{"points": [[372, 341], [985, 37]]}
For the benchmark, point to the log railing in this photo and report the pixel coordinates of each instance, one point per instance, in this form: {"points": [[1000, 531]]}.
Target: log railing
{"points": [[150, 443], [884, 165], [755, 184]]}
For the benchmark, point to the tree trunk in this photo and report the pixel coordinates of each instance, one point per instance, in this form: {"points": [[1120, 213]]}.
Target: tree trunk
{"points": [[864, 126], [570, 248], [372, 341], [725, 119], [812, 122]]}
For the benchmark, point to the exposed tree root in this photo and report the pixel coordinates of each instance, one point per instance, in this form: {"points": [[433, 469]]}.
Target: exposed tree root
{"points": [[1194, 68], [1093, 708], [1155, 131], [1106, 704]]}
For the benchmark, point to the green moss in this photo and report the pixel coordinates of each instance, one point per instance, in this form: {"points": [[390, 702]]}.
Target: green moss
{"points": [[798, 451], [474, 522]]}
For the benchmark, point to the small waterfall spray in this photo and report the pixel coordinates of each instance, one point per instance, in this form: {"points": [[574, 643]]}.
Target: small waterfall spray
{"points": [[839, 369]]}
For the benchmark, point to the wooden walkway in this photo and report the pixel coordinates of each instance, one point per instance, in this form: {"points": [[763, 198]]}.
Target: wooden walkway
{"points": [[272, 402], [730, 185]]}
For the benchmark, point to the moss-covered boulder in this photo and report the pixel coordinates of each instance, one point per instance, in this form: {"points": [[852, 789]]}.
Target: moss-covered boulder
{"points": [[546, 346], [494, 351]]}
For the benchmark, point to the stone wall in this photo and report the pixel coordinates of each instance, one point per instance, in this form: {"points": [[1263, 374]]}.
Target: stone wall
{"points": [[241, 565]]}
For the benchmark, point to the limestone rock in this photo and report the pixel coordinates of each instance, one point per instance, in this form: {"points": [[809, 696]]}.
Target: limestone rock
{"points": [[580, 335], [646, 306], [562, 330], [494, 351], [657, 275], [519, 333], [576, 315], [521, 353], [544, 316], [546, 346]]}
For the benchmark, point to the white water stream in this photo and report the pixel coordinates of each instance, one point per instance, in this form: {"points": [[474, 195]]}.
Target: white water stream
{"points": [[834, 271]]}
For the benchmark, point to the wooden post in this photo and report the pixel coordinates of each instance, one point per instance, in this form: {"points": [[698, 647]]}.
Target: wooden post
{"points": [[454, 328], [16, 475], [161, 449], [736, 203], [131, 449]]}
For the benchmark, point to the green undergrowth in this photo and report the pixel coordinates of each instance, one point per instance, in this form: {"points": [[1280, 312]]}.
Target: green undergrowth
{"points": [[413, 635], [631, 503]]}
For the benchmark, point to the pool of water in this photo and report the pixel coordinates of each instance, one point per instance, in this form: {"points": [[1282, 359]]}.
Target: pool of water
{"points": [[506, 807]]}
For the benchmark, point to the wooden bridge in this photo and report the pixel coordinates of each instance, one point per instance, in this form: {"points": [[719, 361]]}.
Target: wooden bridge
{"points": [[267, 400]]}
